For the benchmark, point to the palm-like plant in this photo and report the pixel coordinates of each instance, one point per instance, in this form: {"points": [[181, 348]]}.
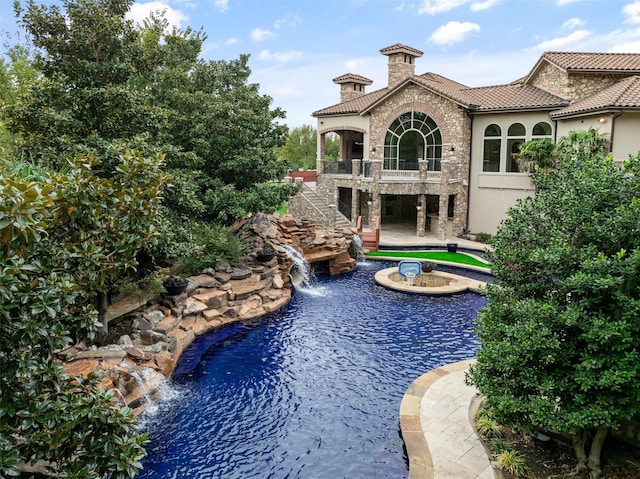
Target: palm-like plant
{"points": [[539, 153]]}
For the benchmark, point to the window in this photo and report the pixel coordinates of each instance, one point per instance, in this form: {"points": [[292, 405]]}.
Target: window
{"points": [[515, 138], [541, 130], [492, 142], [411, 138]]}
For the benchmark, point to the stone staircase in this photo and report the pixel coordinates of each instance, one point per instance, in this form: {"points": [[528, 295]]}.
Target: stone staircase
{"points": [[323, 213]]}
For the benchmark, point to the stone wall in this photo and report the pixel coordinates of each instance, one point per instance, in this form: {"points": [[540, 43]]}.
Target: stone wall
{"points": [[572, 86], [151, 338]]}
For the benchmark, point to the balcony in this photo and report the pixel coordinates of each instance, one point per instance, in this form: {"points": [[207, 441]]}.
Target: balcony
{"points": [[338, 168]]}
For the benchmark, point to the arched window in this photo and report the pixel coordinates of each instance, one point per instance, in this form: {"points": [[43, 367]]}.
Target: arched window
{"points": [[411, 138], [541, 130], [515, 138], [492, 143]]}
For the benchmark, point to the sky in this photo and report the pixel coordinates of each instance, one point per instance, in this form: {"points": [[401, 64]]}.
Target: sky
{"points": [[297, 47]]}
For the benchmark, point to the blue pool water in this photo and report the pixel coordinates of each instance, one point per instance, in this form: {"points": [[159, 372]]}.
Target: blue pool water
{"points": [[311, 392]]}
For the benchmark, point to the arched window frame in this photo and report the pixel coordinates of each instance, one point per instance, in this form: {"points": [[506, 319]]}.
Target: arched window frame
{"points": [[516, 135], [492, 146], [424, 125], [541, 129]]}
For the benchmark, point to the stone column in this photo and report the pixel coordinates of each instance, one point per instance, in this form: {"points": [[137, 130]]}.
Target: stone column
{"points": [[374, 209], [423, 168], [376, 170], [443, 205], [321, 153], [355, 169], [422, 216], [355, 202]]}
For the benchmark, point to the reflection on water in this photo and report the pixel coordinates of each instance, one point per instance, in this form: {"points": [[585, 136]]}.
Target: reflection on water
{"points": [[312, 391]]}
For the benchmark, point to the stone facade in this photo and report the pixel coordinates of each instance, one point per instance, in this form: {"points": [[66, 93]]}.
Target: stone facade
{"points": [[552, 79], [581, 86], [380, 187], [572, 86]]}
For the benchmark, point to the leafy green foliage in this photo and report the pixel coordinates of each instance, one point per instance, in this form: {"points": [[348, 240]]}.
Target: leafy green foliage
{"points": [[17, 71], [489, 427], [512, 462], [107, 87], [534, 154], [63, 237], [82, 103], [215, 243], [300, 148], [560, 330]]}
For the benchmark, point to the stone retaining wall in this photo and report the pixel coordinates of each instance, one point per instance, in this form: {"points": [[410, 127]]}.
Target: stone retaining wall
{"points": [[155, 334]]}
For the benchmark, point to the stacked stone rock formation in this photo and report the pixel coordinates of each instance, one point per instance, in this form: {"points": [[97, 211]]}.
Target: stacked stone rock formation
{"points": [[142, 361]]}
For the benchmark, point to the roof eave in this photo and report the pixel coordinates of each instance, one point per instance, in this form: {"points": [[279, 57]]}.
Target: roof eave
{"points": [[593, 111], [518, 109]]}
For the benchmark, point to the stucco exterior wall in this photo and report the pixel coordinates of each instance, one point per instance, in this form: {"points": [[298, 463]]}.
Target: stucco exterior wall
{"points": [[626, 139], [623, 129], [338, 123], [491, 194]]}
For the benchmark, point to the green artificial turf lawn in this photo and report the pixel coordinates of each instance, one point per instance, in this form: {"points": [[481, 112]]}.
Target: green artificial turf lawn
{"points": [[427, 255]]}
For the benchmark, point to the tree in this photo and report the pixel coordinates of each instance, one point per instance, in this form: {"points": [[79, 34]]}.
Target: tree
{"points": [[542, 152], [63, 237], [560, 330], [300, 147], [82, 103], [17, 72], [108, 86], [226, 138], [534, 154]]}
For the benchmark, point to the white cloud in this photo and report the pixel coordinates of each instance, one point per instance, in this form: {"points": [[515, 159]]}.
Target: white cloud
{"points": [[572, 23], [260, 34], [566, 2], [453, 32], [485, 5], [280, 57], [222, 5], [622, 41], [433, 7], [400, 7], [632, 11], [291, 19], [140, 11], [232, 41], [563, 43]]}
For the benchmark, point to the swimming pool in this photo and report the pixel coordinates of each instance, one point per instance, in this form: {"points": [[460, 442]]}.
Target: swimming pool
{"points": [[312, 391]]}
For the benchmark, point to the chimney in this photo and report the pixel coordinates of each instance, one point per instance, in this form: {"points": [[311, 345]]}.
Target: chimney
{"points": [[351, 86], [402, 62]]}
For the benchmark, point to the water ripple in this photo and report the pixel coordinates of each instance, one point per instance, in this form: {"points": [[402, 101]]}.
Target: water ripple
{"points": [[312, 392]]}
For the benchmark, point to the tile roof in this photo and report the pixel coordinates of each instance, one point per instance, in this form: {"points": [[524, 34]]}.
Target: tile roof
{"points": [[623, 94], [356, 105], [352, 77], [514, 96], [594, 62], [518, 95], [400, 48]]}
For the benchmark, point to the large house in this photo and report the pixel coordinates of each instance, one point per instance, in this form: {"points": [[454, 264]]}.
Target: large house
{"points": [[430, 151]]}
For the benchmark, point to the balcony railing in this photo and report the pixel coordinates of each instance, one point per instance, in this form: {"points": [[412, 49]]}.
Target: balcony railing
{"points": [[401, 165], [338, 168]]}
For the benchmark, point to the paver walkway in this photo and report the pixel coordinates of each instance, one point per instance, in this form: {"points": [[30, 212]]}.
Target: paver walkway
{"points": [[436, 427]]}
